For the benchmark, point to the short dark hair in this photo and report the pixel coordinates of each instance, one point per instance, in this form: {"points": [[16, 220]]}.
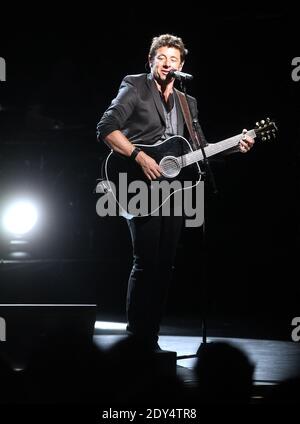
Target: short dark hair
{"points": [[167, 40]]}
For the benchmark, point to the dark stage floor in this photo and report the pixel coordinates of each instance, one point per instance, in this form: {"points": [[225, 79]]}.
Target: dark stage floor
{"points": [[273, 353]]}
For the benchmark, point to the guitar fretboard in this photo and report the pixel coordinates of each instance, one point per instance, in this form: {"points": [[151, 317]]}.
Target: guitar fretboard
{"points": [[214, 149]]}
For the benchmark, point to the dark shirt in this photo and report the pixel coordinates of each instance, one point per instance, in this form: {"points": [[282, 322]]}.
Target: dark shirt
{"points": [[170, 117]]}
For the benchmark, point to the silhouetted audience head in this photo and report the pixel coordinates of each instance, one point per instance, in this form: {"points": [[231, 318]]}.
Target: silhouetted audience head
{"points": [[64, 373], [137, 376], [225, 374]]}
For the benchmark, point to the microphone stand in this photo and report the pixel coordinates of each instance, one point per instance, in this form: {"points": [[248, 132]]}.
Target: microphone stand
{"points": [[201, 142]]}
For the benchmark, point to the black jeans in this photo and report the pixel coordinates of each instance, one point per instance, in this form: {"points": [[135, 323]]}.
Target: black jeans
{"points": [[154, 239]]}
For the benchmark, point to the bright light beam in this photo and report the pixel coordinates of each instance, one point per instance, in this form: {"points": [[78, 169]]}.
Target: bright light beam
{"points": [[106, 325], [20, 217]]}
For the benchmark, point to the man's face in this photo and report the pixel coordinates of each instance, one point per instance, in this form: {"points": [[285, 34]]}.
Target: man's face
{"points": [[165, 59]]}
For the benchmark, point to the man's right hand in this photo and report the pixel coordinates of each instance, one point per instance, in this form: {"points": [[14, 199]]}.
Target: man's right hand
{"points": [[149, 166]]}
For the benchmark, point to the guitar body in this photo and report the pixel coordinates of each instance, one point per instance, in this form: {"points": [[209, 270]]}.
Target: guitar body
{"points": [[123, 174]]}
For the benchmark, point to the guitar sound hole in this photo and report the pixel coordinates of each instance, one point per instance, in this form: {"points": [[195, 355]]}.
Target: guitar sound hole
{"points": [[169, 166]]}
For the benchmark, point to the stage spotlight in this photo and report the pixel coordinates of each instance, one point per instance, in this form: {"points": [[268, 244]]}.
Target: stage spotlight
{"points": [[20, 217]]}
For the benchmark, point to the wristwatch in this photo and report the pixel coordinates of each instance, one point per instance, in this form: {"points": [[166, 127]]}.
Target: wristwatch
{"points": [[135, 152]]}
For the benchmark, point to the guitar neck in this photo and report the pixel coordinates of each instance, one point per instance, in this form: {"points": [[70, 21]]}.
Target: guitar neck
{"points": [[214, 149]]}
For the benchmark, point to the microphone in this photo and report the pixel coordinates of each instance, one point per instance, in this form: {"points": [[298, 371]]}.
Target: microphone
{"points": [[180, 75]]}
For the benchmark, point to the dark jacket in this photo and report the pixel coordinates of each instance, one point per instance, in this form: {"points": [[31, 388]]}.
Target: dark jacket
{"points": [[137, 111]]}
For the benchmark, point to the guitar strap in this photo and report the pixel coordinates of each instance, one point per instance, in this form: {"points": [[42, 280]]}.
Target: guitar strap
{"points": [[196, 138]]}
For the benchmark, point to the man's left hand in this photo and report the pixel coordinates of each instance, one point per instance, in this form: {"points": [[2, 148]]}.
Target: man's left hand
{"points": [[246, 142]]}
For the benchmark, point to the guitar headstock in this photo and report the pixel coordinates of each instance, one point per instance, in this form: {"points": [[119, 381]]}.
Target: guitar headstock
{"points": [[266, 129]]}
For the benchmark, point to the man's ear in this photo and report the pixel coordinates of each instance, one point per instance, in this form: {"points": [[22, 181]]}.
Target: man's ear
{"points": [[181, 66], [150, 61]]}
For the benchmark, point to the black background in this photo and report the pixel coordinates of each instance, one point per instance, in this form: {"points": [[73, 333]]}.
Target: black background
{"points": [[63, 71]]}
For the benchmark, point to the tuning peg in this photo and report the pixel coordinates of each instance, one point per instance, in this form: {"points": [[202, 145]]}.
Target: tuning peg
{"points": [[257, 124], [264, 139], [262, 122], [268, 120]]}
